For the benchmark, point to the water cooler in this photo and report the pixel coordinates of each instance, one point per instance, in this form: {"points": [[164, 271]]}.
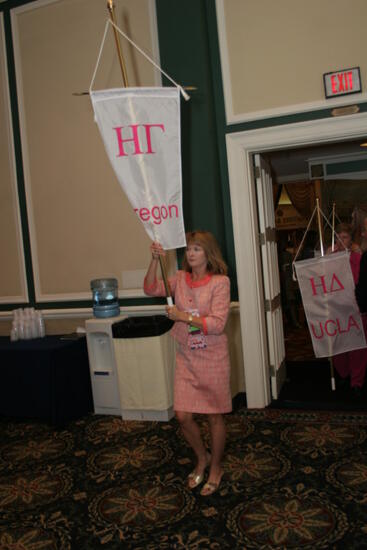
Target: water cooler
{"points": [[103, 367]]}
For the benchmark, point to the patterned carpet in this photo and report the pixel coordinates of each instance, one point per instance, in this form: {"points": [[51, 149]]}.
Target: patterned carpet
{"points": [[293, 480]]}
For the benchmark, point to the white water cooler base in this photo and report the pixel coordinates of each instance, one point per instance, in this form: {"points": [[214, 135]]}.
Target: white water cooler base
{"points": [[102, 364]]}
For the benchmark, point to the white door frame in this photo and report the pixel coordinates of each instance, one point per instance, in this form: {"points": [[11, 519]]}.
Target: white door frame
{"points": [[240, 148]]}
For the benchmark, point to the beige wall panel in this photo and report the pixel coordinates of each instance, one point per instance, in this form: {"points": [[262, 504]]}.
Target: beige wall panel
{"points": [[82, 225], [12, 279], [279, 51]]}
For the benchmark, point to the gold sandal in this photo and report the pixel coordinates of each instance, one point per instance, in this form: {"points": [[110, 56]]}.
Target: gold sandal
{"points": [[210, 487], [194, 479]]}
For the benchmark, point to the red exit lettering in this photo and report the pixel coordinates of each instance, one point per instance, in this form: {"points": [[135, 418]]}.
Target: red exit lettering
{"points": [[342, 82]]}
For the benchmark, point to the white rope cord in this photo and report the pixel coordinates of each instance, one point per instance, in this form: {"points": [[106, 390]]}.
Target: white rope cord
{"points": [[335, 233], [329, 216], [304, 236], [99, 57], [109, 22]]}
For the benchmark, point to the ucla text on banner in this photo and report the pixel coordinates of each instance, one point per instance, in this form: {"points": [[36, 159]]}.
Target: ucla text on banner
{"points": [[140, 128], [327, 289]]}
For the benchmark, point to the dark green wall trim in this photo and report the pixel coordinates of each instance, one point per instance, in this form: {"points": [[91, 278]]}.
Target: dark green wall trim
{"points": [[125, 302], [184, 55], [337, 168], [10, 4], [189, 53], [18, 157], [287, 119], [221, 144]]}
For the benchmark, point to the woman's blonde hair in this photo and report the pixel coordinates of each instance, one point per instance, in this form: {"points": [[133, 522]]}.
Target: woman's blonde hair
{"points": [[207, 241]]}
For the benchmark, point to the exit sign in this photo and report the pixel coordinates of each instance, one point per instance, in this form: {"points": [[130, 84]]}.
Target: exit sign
{"points": [[344, 82]]}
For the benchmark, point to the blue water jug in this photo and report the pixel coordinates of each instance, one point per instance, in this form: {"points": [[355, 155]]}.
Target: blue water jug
{"points": [[105, 297]]}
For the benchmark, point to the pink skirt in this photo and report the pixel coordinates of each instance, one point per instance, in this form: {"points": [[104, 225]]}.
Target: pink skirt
{"points": [[202, 379]]}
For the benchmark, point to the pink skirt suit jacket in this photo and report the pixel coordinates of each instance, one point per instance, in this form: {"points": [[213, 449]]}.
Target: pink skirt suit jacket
{"points": [[202, 376]]}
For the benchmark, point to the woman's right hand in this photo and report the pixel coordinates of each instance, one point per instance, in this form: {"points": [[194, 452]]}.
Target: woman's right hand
{"points": [[156, 250]]}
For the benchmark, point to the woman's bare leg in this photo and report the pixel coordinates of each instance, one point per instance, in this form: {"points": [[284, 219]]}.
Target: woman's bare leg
{"points": [[191, 433], [218, 440]]}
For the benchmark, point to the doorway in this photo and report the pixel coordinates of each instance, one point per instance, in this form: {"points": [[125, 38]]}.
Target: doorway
{"points": [[311, 382], [241, 147]]}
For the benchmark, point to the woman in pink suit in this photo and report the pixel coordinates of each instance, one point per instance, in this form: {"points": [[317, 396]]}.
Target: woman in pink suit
{"points": [[202, 376]]}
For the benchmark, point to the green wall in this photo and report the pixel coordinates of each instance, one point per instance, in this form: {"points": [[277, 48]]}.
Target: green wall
{"points": [[189, 54]]}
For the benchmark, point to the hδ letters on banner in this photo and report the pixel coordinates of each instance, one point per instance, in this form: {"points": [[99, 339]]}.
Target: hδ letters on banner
{"points": [[327, 289]]}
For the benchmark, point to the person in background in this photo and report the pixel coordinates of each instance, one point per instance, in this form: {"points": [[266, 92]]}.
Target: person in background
{"points": [[309, 245], [363, 244], [361, 287], [361, 297], [343, 242], [359, 225], [351, 363], [289, 288], [202, 377]]}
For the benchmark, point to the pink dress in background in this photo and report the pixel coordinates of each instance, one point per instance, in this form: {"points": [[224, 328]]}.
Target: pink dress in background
{"points": [[353, 363], [202, 376]]}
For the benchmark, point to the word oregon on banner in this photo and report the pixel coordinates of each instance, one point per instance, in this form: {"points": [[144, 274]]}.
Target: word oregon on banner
{"points": [[140, 128], [327, 290]]}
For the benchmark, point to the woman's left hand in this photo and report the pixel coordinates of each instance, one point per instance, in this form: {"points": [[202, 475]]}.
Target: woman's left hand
{"points": [[173, 313]]}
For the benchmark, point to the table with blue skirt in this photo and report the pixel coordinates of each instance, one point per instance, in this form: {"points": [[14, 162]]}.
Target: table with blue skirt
{"points": [[45, 378]]}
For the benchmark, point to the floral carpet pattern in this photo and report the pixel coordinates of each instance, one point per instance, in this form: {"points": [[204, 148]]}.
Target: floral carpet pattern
{"points": [[292, 480]]}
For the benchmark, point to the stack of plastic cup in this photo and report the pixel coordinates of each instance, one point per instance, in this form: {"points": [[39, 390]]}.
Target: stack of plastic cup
{"points": [[27, 324]]}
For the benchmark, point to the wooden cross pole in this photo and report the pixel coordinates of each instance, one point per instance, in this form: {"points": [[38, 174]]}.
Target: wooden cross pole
{"points": [[333, 228], [332, 376], [111, 9]]}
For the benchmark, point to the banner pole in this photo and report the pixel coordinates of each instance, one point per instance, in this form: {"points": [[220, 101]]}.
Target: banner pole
{"points": [[332, 374], [165, 281], [320, 228], [111, 10], [322, 254]]}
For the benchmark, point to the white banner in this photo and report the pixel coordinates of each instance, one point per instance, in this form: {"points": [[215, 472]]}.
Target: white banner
{"points": [[327, 289], [140, 128]]}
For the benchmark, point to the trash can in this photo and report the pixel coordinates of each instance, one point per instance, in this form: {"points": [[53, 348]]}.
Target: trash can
{"points": [[145, 359]]}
